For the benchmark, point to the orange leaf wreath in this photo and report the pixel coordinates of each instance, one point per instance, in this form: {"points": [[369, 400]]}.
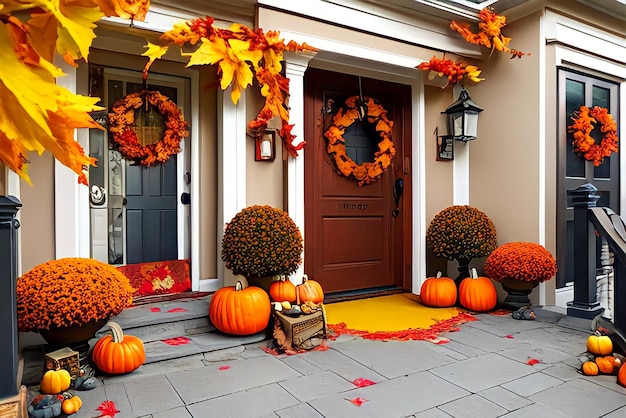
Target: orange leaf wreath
{"points": [[368, 171], [586, 120], [122, 121]]}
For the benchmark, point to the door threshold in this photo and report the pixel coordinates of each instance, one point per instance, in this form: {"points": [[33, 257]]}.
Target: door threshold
{"points": [[362, 294]]}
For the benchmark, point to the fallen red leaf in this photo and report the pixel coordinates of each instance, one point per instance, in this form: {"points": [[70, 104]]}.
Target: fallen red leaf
{"points": [[177, 341], [224, 367], [176, 310], [107, 409], [532, 361], [155, 309], [362, 382], [509, 336], [357, 401]]}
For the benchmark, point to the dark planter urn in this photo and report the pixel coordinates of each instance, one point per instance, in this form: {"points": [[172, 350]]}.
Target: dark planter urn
{"points": [[517, 291], [463, 267], [75, 337]]}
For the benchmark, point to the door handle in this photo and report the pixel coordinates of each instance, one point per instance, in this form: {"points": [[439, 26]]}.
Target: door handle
{"points": [[398, 188], [185, 198]]}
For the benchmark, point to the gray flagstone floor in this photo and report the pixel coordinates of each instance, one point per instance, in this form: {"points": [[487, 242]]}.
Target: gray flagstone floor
{"points": [[482, 372]]}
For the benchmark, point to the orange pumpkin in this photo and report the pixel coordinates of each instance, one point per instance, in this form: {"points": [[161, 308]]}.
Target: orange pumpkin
{"points": [[71, 404], [605, 365], [310, 290], [118, 353], [590, 368], [478, 293], [240, 311], [438, 292], [621, 376], [283, 290], [600, 345]]}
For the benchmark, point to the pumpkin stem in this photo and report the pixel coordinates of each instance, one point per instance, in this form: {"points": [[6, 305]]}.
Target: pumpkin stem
{"points": [[238, 286], [439, 274], [474, 273], [305, 278], [116, 331]]}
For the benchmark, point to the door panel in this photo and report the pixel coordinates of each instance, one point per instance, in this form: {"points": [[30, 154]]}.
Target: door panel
{"points": [[575, 90], [352, 241]]}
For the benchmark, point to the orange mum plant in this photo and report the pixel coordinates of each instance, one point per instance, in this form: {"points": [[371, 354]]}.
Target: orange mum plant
{"points": [[70, 292], [586, 121], [241, 54], [262, 241], [525, 261], [461, 232], [122, 120]]}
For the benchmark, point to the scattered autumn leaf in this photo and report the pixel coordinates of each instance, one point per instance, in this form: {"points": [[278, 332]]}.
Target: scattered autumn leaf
{"points": [[357, 401], [532, 361], [107, 409], [362, 382], [224, 368]]}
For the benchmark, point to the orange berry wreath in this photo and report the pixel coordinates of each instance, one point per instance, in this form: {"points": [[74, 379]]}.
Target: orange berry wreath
{"points": [[375, 114], [586, 120], [122, 122]]}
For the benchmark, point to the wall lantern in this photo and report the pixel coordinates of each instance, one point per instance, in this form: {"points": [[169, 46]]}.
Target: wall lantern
{"points": [[265, 145], [463, 118]]}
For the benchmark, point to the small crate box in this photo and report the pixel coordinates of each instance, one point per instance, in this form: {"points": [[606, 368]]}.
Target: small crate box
{"points": [[65, 358], [301, 329]]}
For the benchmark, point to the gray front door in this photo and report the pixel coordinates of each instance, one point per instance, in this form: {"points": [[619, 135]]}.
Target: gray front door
{"points": [[575, 90]]}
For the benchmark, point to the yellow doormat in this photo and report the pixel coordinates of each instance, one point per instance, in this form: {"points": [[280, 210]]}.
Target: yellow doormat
{"points": [[394, 317]]}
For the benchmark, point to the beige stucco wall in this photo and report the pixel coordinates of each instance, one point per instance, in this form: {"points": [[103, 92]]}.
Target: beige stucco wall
{"points": [[439, 174], [37, 212], [3, 169], [264, 179]]}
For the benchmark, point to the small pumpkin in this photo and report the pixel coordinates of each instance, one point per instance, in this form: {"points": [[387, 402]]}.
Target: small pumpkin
{"points": [[310, 290], [118, 353], [477, 293], [55, 382], [621, 375], [438, 292], [590, 368], [606, 365], [283, 290], [71, 404], [240, 311], [600, 345]]}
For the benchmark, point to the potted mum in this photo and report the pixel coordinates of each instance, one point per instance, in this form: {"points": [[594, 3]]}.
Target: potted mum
{"points": [[69, 299], [520, 267], [262, 242], [461, 233]]}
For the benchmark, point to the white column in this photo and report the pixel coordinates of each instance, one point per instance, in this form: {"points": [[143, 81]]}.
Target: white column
{"points": [[71, 199], [231, 150], [460, 168], [295, 67]]}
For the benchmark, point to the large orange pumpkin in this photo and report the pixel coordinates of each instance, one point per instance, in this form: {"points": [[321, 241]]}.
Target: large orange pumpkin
{"points": [[240, 311], [478, 294], [438, 292], [310, 290], [282, 290], [621, 375], [118, 353]]}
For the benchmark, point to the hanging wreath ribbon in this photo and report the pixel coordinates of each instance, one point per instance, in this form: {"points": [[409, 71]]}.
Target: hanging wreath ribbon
{"points": [[586, 120], [122, 122], [375, 114]]}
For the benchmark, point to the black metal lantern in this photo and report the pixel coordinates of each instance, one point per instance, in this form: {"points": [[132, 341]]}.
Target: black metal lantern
{"points": [[463, 118]]}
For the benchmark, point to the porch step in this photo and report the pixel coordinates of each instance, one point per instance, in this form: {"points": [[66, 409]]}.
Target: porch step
{"points": [[176, 328]]}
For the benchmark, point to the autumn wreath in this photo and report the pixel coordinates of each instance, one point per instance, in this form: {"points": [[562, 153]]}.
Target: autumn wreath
{"points": [[122, 125], [586, 120], [375, 114]]}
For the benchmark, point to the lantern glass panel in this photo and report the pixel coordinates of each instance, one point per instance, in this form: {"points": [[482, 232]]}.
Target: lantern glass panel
{"points": [[471, 124]]}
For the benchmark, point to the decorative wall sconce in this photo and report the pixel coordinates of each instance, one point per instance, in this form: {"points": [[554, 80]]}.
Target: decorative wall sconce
{"points": [[265, 145], [463, 118]]}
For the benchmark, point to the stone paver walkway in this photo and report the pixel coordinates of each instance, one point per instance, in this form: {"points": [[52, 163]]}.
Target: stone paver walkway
{"points": [[483, 372]]}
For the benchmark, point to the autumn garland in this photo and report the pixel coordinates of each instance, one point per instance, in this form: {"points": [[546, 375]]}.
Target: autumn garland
{"points": [[376, 115], [585, 122], [70, 292], [122, 122], [524, 261]]}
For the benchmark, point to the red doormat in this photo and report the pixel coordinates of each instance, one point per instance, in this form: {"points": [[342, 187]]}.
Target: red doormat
{"points": [[158, 277]]}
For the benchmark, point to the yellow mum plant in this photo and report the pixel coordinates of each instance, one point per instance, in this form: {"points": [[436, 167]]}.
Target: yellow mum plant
{"points": [[70, 292]]}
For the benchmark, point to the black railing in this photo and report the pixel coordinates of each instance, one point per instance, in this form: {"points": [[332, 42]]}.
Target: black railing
{"points": [[9, 206], [593, 223]]}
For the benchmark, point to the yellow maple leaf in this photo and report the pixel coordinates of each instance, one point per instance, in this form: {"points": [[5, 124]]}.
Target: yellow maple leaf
{"points": [[126, 9]]}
